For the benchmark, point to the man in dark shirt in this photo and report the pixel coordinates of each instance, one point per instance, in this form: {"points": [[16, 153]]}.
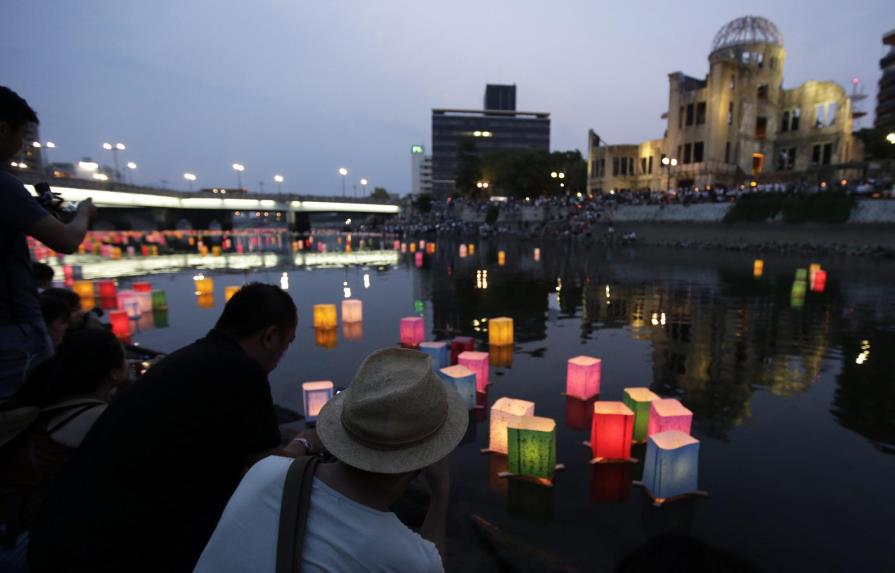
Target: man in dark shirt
{"points": [[23, 336], [148, 484]]}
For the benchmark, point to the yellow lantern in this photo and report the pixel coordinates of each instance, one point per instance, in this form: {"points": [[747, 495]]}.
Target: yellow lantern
{"points": [[471, 249], [758, 268], [503, 412], [501, 258], [324, 316], [412, 247], [500, 331], [204, 285], [216, 251], [205, 300], [84, 289], [501, 356], [230, 291], [812, 271], [326, 337]]}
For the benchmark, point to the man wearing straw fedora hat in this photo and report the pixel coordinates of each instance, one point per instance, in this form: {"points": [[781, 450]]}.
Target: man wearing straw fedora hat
{"points": [[397, 420]]}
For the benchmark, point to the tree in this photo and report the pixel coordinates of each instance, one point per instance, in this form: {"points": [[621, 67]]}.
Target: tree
{"points": [[424, 203], [380, 193]]}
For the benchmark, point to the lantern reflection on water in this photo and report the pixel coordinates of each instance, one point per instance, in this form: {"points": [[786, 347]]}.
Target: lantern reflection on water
{"points": [[671, 467], [463, 379], [326, 337], [418, 259], [537, 254], [461, 344], [583, 377], [160, 317], [353, 330], [315, 395], [504, 411], [501, 356], [611, 432], [579, 414], [438, 352], [325, 316], [159, 300], [121, 324], [531, 447], [230, 290], [610, 483], [478, 363], [205, 300], [412, 331], [352, 310], [639, 400], [669, 414], [500, 331]]}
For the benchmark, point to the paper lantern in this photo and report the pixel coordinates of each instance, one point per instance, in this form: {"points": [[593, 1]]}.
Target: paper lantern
{"points": [[203, 284], [107, 303], [412, 331], [478, 363], [326, 337], [504, 411], [324, 316], [537, 254], [84, 289], [126, 297], [669, 414], [352, 310], [144, 298], [639, 400], [412, 247], [438, 352], [610, 483], [801, 275], [611, 432], [671, 466], [419, 307], [501, 356], [230, 290], [463, 251], [314, 396], [107, 289], [501, 258], [418, 259], [159, 300], [131, 251], [121, 324], [141, 286], [461, 344], [471, 249], [757, 268], [145, 322], [430, 248], [463, 379], [820, 281], [403, 247], [500, 331], [396, 245], [216, 251], [579, 414], [812, 271], [583, 377], [353, 330], [531, 447]]}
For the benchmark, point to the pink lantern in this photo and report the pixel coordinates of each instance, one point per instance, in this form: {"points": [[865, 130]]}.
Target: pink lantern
{"points": [[418, 259], [352, 310], [412, 331], [583, 377], [611, 432], [478, 363], [669, 414]]}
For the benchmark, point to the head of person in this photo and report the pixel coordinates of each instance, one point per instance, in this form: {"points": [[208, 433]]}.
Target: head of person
{"points": [[15, 115], [87, 363], [262, 319], [43, 274], [72, 300], [56, 315], [396, 418]]}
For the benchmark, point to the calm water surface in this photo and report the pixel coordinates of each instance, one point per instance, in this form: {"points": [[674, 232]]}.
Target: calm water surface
{"points": [[797, 426]]}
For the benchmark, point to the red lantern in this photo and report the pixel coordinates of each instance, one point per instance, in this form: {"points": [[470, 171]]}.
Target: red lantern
{"points": [[820, 281], [142, 286], [107, 289], [121, 324], [612, 432]]}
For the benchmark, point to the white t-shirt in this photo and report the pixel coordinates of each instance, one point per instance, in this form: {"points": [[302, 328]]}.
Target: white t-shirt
{"points": [[341, 535]]}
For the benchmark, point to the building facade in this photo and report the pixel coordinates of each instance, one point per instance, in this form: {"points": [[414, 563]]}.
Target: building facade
{"points": [[500, 97], [482, 131], [737, 125], [885, 98], [420, 171]]}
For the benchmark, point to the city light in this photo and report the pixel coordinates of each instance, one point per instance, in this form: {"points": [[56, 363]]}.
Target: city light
{"points": [[51, 145], [189, 176], [100, 176], [363, 182], [666, 161], [120, 146], [36, 144], [131, 165], [88, 165], [107, 146], [891, 138], [562, 175], [239, 167], [554, 174], [673, 161], [278, 178], [342, 171]]}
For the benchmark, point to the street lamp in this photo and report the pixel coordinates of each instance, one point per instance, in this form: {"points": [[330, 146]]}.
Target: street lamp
{"points": [[279, 180], [190, 177], [363, 185], [131, 166], [891, 138], [115, 149], [239, 168], [668, 162], [343, 172]]}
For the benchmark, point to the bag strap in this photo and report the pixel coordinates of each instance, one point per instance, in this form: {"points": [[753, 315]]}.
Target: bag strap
{"points": [[294, 513]]}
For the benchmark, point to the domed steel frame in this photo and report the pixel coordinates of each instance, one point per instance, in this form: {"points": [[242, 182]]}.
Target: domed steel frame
{"points": [[747, 30]]}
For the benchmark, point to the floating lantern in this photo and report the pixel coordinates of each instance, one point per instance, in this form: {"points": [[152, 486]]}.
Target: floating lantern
{"points": [[142, 286], [801, 275], [396, 245], [672, 463], [412, 331], [126, 297], [504, 411], [463, 379], [107, 289], [639, 400], [230, 290], [324, 316], [131, 251], [758, 268], [610, 483], [159, 300], [353, 330], [84, 289], [501, 258], [403, 247], [430, 248], [203, 284], [216, 251], [439, 353], [611, 432], [537, 254], [326, 337], [478, 363], [819, 283], [461, 344], [205, 300], [419, 307], [797, 296], [412, 247], [121, 324], [669, 414], [463, 251], [583, 377], [531, 447], [352, 310], [315, 395], [501, 356], [500, 331], [812, 271], [144, 322], [471, 249], [422, 244], [579, 414], [132, 308], [144, 299], [418, 259]]}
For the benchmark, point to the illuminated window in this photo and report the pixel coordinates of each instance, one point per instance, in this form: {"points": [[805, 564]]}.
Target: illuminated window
{"points": [[757, 163]]}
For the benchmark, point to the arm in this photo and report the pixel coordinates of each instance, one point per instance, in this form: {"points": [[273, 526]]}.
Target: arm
{"points": [[434, 527], [63, 237]]}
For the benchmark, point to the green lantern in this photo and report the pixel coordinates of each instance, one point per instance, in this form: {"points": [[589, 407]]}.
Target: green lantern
{"points": [[639, 400], [802, 275], [159, 300], [160, 317], [419, 306], [531, 447]]}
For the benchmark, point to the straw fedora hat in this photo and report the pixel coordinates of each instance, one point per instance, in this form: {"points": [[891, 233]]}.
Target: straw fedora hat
{"points": [[397, 416]]}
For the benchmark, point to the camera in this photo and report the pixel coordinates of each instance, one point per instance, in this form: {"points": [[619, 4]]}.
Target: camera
{"points": [[54, 204]]}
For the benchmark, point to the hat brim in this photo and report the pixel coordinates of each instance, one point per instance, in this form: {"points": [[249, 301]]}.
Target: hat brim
{"points": [[340, 444]]}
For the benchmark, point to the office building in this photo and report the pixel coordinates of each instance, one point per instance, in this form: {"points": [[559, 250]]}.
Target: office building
{"points": [[420, 171], [737, 125], [885, 97], [482, 131]]}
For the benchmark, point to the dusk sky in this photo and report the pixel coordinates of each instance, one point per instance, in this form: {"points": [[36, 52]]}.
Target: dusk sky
{"points": [[301, 88]]}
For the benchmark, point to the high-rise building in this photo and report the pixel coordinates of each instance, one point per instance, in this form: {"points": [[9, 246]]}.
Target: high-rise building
{"points": [[500, 97], [885, 98], [420, 171], [481, 131], [736, 125]]}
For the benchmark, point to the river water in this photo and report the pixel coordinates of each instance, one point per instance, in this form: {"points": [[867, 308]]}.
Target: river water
{"points": [[793, 399]]}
